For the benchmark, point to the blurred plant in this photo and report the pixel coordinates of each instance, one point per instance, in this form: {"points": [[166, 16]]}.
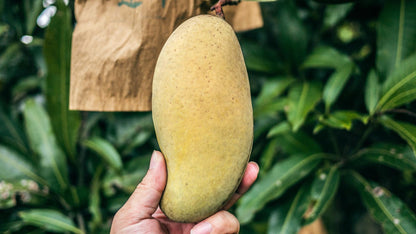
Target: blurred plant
{"points": [[60, 170], [334, 104], [334, 89]]}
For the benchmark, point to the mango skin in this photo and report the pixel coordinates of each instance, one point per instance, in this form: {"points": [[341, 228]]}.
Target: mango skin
{"points": [[203, 117]]}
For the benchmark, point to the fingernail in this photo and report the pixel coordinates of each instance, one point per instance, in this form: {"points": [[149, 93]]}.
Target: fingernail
{"points": [[154, 160], [202, 228]]}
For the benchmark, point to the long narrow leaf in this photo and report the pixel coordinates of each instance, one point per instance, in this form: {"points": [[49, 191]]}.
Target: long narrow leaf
{"points": [[400, 86], [372, 92], [336, 83], [323, 191], [302, 99], [325, 57], [42, 140], [342, 119], [287, 218], [12, 134], [281, 177], [387, 209], [57, 51], [50, 220], [392, 156], [15, 166], [105, 150], [396, 34], [405, 130]]}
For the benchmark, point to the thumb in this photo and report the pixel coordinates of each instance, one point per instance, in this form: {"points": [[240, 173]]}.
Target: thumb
{"points": [[145, 198]]}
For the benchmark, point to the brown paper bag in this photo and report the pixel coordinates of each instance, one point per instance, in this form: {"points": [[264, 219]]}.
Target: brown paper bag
{"points": [[116, 43]]}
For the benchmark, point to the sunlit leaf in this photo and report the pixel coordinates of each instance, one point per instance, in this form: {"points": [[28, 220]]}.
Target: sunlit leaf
{"points": [[342, 119], [53, 167], [302, 99], [50, 220], [372, 92], [400, 86], [287, 217], [57, 51], [106, 151], [281, 177], [396, 34], [323, 190], [405, 130], [387, 209]]}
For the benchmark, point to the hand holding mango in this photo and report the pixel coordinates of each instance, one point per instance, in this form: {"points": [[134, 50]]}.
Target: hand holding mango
{"points": [[140, 214], [203, 117]]}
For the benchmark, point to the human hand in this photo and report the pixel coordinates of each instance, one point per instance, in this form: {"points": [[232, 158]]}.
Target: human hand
{"points": [[141, 212]]}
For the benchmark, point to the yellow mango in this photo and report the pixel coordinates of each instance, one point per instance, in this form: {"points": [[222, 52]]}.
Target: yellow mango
{"points": [[203, 117]]}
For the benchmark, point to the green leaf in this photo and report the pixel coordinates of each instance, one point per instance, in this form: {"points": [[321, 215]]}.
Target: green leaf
{"points": [[387, 209], [15, 166], [335, 13], [298, 142], [405, 130], [336, 83], [53, 167], [372, 92], [95, 200], [400, 86], [268, 155], [281, 177], [258, 58], [292, 34], [129, 178], [342, 119], [57, 51], [268, 102], [400, 158], [324, 188], [50, 220], [334, 1], [396, 34], [325, 57], [280, 128], [302, 99], [12, 134], [273, 88], [260, 0], [32, 10], [270, 109], [287, 217], [106, 151]]}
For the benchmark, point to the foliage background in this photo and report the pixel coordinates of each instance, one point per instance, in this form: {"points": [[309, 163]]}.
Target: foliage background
{"points": [[333, 89]]}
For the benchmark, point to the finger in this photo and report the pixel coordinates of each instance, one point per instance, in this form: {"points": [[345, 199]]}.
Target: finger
{"points": [[249, 177], [221, 222], [145, 199]]}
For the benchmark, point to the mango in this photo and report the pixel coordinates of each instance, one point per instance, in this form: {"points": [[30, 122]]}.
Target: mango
{"points": [[203, 117]]}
